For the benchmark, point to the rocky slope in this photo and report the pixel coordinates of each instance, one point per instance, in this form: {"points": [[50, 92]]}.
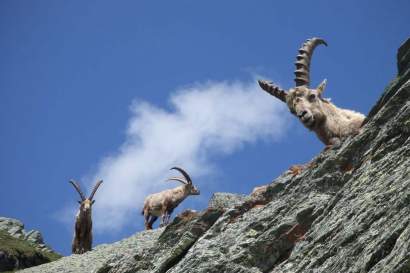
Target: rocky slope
{"points": [[349, 211], [19, 248]]}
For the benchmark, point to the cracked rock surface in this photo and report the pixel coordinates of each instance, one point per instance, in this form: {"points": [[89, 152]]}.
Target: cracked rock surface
{"points": [[349, 211]]}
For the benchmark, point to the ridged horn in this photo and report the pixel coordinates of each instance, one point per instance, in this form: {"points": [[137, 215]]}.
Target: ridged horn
{"points": [[274, 90], [180, 179], [77, 187], [95, 189], [302, 71], [184, 173]]}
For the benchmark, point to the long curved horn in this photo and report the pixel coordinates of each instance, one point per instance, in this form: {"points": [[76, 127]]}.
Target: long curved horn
{"points": [[95, 189], [77, 187], [184, 173], [180, 179], [274, 90], [303, 60]]}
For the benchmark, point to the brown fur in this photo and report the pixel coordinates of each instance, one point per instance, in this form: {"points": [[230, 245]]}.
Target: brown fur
{"points": [[163, 203], [259, 191], [83, 236], [330, 123], [296, 169]]}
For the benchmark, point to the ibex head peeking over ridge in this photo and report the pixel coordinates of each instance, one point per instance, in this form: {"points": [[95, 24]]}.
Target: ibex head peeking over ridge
{"points": [[330, 123]]}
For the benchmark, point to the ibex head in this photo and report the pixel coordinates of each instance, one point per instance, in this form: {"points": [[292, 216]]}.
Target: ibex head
{"points": [[186, 180], [86, 203], [302, 101]]}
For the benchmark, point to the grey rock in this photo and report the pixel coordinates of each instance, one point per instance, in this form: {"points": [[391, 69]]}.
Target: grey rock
{"points": [[23, 249], [13, 226], [224, 200], [100, 258], [17, 253], [147, 251], [403, 57], [348, 211], [35, 237]]}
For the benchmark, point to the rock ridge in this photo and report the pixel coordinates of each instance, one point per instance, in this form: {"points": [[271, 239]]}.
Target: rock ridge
{"points": [[20, 248], [349, 211]]}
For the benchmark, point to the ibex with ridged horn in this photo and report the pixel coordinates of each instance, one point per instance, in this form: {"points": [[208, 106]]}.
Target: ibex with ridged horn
{"points": [[163, 203], [83, 236], [330, 123]]}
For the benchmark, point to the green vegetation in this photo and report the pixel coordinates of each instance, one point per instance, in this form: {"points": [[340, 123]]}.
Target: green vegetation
{"points": [[24, 251]]}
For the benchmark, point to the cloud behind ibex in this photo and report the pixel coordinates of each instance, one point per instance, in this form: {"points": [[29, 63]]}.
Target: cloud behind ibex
{"points": [[203, 120]]}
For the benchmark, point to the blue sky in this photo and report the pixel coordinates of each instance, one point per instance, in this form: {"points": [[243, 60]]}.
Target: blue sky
{"points": [[88, 88]]}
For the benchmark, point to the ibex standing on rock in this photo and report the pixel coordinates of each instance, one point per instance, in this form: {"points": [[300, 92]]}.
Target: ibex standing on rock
{"points": [[330, 123], [83, 236], [163, 203]]}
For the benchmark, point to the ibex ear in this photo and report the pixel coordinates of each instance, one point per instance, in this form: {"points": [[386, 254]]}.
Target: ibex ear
{"points": [[92, 202], [79, 202], [321, 87]]}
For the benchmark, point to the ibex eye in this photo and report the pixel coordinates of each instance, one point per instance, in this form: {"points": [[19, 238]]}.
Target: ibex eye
{"points": [[312, 96]]}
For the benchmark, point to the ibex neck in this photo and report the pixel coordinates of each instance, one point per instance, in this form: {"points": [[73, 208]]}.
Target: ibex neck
{"points": [[179, 194], [84, 214], [337, 123]]}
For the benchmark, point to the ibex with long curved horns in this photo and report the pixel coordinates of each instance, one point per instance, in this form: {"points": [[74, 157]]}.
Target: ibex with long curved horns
{"points": [[330, 123], [163, 203], [83, 236]]}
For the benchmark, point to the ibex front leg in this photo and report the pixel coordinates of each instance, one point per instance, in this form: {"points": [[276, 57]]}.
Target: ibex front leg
{"points": [[169, 212], [163, 218]]}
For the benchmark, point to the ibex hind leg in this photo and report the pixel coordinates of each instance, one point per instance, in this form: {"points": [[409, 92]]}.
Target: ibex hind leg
{"points": [[151, 221], [147, 219]]}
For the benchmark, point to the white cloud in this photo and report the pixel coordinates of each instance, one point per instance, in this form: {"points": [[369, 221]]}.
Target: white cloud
{"points": [[204, 120]]}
